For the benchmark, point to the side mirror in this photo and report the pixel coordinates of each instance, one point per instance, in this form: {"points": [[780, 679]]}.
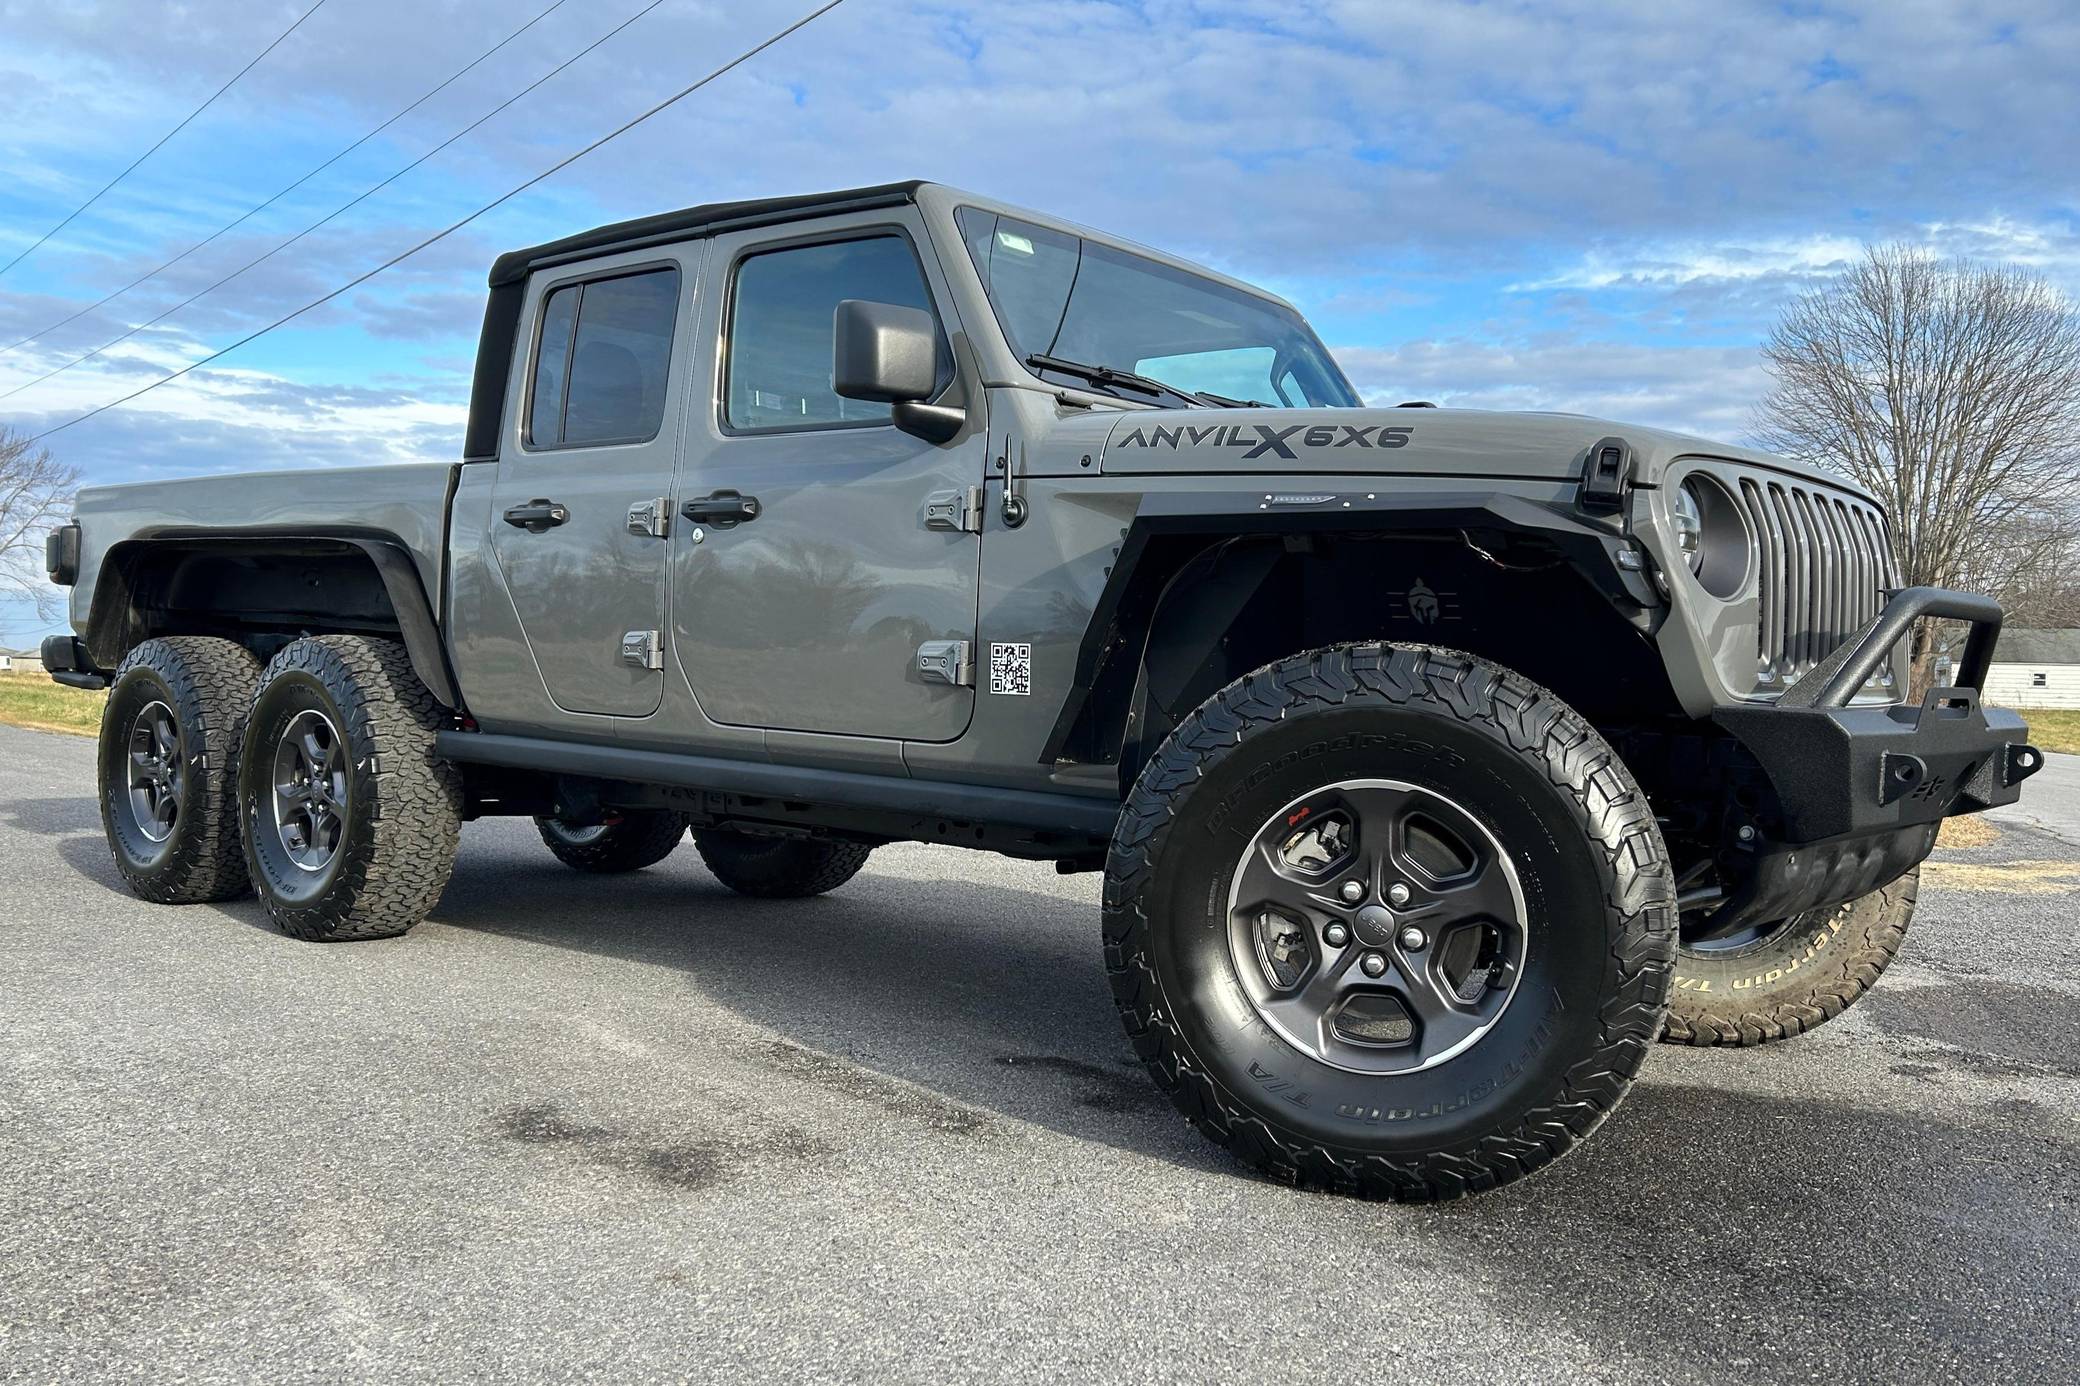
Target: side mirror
{"points": [[887, 353], [883, 352]]}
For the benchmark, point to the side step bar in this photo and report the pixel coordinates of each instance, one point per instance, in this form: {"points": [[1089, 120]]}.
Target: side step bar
{"points": [[1070, 815]]}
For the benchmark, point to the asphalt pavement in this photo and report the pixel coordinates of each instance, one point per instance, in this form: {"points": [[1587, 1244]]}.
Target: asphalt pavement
{"points": [[629, 1129]]}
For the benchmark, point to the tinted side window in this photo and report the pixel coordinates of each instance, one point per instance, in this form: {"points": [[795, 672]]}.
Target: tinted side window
{"points": [[603, 361], [780, 330]]}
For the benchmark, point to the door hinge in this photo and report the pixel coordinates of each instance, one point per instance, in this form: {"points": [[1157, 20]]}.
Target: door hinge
{"points": [[959, 511], [652, 517], [946, 661], [643, 649]]}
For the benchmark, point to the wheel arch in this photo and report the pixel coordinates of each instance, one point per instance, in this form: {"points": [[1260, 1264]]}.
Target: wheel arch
{"points": [[1205, 590], [265, 589]]}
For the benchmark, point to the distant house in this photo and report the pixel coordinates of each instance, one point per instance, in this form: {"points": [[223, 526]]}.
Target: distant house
{"points": [[2036, 668], [20, 661]]}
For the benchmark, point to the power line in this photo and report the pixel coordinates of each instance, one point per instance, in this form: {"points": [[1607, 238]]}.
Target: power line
{"points": [[252, 212], [453, 227], [338, 211], [164, 138]]}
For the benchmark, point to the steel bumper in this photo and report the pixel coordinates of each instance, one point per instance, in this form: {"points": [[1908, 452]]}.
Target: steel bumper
{"points": [[1862, 789]]}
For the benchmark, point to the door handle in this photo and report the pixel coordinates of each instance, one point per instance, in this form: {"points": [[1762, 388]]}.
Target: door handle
{"points": [[537, 515], [722, 509]]}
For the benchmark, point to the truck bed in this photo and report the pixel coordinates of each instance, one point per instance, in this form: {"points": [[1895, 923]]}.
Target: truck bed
{"points": [[407, 502]]}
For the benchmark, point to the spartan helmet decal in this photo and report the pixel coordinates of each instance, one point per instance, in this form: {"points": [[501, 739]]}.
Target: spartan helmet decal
{"points": [[1422, 603]]}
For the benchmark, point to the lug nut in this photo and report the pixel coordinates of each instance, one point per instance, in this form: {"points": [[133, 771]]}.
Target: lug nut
{"points": [[1397, 894], [1336, 935], [1353, 891], [1413, 938], [1373, 964]]}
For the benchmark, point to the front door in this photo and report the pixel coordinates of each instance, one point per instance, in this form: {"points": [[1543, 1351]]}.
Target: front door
{"points": [[581, 512], [804, 602]]}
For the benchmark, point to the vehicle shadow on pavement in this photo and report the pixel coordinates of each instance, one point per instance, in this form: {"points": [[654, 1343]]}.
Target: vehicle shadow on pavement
{"points": [[992, 997], [996, 997], [53, 817]]}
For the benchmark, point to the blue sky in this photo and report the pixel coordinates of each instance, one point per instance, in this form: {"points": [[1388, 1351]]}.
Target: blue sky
{"points": [[1515, 204]]}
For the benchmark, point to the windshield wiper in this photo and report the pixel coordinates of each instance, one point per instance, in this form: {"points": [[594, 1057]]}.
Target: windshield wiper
{"points": [[1110, 375], [1226, 403]]}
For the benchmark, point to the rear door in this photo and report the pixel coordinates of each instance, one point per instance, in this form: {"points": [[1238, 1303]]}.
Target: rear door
{"points": [[581, 514], [810, 613]]}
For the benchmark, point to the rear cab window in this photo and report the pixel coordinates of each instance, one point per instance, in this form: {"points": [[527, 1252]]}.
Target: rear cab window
{"points": [[603, 360]]}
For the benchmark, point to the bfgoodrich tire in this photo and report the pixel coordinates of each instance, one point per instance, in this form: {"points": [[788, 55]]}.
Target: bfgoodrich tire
{"points": [[350, 821], [1397, 807], [1787, 979], [778, 868], [169, 744], [626, 841]]}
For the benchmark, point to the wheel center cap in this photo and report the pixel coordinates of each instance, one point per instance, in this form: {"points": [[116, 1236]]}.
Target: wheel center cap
{"points": [[1374, 926]]}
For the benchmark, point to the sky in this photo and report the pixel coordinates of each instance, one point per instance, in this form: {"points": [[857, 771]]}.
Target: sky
{"points": [[1588, 205]]}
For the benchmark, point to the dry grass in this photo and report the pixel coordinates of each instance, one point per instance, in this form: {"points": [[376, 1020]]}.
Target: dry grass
{"points": [[2053, 728], [1967, 830], [32, 700]]}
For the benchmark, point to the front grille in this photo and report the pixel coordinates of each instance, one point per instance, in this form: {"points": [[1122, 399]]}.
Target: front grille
{"points": [[1825, 562]]}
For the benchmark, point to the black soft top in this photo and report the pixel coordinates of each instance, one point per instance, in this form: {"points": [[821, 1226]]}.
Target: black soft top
{"points": [[515, 265]]}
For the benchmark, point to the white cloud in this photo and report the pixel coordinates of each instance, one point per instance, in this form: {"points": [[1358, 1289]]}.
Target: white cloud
{"points": [[1708, 391], [1677, 265]]}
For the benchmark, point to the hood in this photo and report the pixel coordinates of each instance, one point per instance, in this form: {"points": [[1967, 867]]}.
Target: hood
{"points": [[1385, 442]]}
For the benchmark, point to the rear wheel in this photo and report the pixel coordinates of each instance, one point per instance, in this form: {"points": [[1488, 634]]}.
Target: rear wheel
{"points": [[1389, 921], [627, 841], [1779, 980], [778, 868], [350, 820], [169, 743]]}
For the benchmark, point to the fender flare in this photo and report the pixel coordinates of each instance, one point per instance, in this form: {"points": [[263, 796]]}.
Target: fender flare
{"points": [[1116, 639], [109, 616]]}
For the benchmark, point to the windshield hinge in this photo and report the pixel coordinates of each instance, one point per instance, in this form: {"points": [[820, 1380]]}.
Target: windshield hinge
{"points": [[959, 511]]}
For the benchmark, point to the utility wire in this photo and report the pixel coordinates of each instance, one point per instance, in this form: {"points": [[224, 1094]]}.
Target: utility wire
{"points": [[453, 227], [252, 212], [345, 207], [163, 138]]}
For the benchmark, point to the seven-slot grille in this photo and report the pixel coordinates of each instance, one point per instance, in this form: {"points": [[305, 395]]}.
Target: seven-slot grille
{"points": [[1825, 560]]}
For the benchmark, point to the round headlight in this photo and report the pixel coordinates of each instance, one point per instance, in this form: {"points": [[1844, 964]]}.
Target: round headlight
{"points": [[1689, 517], [1712, 534]]}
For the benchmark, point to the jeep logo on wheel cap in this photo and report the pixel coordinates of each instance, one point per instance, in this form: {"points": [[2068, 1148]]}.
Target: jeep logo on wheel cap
{"points": [[1374, 926]]}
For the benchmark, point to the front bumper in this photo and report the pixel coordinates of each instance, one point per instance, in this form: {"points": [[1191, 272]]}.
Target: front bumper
{"points": [[1861, 790]]}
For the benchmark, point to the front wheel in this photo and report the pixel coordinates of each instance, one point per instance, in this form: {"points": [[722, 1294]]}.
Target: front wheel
{"points": [[1389, 921], [350, 820]]}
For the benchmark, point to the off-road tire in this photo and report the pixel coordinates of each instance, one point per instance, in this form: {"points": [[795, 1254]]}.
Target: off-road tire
{"points": [[403, 804], [1601, 932], [1799, 978], [629, 841], [778, 868], [207, 684]]}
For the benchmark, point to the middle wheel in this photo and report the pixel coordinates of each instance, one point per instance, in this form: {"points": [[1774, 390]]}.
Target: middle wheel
{"points": [[626, 841]]}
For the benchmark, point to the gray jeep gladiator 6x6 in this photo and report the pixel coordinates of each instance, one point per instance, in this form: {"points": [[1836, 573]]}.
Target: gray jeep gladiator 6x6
{"points": [[1438, 761]]}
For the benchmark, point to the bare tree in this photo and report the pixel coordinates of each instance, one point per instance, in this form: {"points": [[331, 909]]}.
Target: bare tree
{"points": [[1952, 391], [36, 493]]}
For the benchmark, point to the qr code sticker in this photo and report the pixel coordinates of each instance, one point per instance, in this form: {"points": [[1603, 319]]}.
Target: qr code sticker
{"points": [[1011, 669]]}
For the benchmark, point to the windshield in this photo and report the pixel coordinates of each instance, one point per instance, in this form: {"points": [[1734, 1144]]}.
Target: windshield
{"points": [[1077, 300]]}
